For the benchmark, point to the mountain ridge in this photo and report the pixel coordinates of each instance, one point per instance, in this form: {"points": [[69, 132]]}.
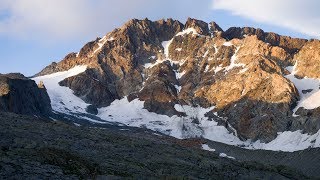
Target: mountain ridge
{"points": [[242, 72]]}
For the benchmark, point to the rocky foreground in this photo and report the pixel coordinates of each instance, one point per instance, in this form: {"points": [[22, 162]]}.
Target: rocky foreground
{"points": [[33, 148]]}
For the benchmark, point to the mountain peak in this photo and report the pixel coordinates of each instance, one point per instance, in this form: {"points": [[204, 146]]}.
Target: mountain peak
{"points": [[240, 73], [200, 26], [214, 27]]}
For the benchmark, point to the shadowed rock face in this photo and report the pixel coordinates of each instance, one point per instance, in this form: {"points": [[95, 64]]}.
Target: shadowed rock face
{"points": [[91, 89], [159, 91], [21, 95], [240, 71]]}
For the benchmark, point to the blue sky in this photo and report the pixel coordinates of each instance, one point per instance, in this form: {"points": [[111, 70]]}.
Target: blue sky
{"points": [[33, 33]]}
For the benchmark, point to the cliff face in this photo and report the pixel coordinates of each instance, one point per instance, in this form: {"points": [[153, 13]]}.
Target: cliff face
{"points": [[242, 72], [21, 95]]}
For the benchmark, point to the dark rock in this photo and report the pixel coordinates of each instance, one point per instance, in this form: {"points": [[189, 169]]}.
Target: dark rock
{"points": [[258, 120], [214, 27], [92, 109], [305, 91], [159, 92], [21, 95], [132, 96], [237, 32], [308, 120], [65, 151], [52, 68], [90, 89]]}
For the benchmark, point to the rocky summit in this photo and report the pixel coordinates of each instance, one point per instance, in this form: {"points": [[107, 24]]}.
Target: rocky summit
{"points": [[252, 78]]}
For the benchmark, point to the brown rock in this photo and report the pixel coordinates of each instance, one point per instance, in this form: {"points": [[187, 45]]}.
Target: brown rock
{"points": [[291, 45], [200, 26], [159, 91], [308, 60]]}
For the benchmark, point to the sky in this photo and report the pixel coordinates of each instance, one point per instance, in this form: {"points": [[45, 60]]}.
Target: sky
{"points": [[34, 33]]}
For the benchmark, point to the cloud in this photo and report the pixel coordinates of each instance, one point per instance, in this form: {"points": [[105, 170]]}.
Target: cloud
{"points": [[298, 15], [76, 18]]}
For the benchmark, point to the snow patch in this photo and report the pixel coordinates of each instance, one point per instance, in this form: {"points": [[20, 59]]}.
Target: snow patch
{"points": [[215, 49], [159, 61], [188, 31], [62, 98], [207, 148], [217, 69], [309, 100], [165, 45], [179, 127], [226, 156], [150, 65], [133, 114], [178, 49], [243, 70], [290, 141], [233, 63], [206, 54], [228, 43], [179, 75], [195, 124], [178, 88], [102, 42], [207, 68]]}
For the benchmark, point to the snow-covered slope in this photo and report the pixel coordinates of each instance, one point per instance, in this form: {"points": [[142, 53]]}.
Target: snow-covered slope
{"points": [[311, 98], [133, 114], [182, 127], [62, 98]]}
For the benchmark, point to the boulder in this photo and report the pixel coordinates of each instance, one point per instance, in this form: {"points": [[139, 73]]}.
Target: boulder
{"points": [[92, 109]]}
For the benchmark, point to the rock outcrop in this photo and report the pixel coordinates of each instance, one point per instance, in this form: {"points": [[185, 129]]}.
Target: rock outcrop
{"points": [[308, 59], [290, 44], [21, 95], [240, 71]]}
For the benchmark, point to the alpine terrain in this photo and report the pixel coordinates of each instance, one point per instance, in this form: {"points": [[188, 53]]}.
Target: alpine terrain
{"points": [[164, 99]]}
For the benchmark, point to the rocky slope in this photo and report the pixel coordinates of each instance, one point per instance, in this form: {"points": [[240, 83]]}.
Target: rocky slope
{"points": [[35, 148], [242, 72], [21, 95]]}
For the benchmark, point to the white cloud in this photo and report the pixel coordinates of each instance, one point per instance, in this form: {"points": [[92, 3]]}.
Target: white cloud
{"points": [[76, 18], [299, 15]]}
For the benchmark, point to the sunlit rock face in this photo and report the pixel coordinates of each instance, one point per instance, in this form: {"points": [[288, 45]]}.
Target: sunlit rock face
{"points": [[244, 73], [308, 60]]}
